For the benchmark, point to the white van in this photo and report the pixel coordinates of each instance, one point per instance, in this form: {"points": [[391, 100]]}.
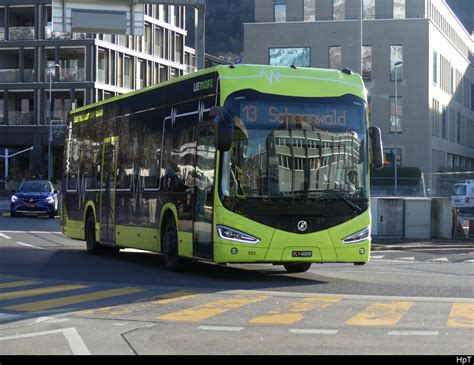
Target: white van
{"points": [[463, 197]]}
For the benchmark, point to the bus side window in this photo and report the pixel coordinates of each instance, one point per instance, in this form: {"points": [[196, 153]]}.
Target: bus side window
{"points": [[151, 151]]}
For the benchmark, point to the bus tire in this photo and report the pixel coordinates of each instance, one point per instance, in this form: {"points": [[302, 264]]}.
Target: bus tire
{"points": [[296, 268], [170, 247], [93, 247]]}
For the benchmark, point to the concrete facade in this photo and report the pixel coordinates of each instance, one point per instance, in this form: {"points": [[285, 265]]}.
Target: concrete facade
{"points": [[436, 83], [93, 67]]}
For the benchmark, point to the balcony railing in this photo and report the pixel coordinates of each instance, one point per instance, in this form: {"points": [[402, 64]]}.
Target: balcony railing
{"points": [[9, 75], [22, 33], [29, 75], [2, 33], [20, 118], [49, 34], [67, 74]]}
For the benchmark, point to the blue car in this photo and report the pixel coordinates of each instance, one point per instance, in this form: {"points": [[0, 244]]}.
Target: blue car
{"points": [[34, 197]]}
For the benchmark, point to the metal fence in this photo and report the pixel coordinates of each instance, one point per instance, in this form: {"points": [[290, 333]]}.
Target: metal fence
{"points": [[441, 184]]}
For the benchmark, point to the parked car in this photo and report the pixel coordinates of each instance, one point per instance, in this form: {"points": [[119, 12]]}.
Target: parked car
{"points": [[463, 198], [34, 197]]}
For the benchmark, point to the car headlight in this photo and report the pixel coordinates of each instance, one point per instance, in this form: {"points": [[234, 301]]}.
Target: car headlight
{"points": [[14, 199], [359, 236], [231, 234], [50, 200]]}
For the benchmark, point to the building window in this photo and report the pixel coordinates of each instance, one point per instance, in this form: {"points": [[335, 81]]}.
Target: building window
{"points": [[2, 108], [22, 22], [335, 57], [369, 9], [309, 10], [339, 9], [290, 56], [280, 11], [444, 122], [453, 81], [367, 62], [399, 9], [127, 72], [458, 128], [396, 114], [103, 67], [472, 96], [2, 23], [435, 67], [396, 56]]}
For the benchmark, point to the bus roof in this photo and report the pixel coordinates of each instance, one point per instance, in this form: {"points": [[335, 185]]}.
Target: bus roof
{"points": [[281, 80]]}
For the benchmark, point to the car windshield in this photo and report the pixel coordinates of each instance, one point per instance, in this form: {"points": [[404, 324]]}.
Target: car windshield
{"points": [[295, 149], [459, 190], [35, 187]]}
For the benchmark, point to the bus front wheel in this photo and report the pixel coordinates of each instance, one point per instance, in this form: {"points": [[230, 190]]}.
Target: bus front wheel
{"points": [[170, 247], [93, 247], [296, 268]]}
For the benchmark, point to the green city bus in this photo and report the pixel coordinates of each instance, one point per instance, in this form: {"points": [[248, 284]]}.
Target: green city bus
{"points": [[232, 164]]}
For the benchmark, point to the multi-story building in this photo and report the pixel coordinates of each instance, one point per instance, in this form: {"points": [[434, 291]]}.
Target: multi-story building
{"points": [[418, 47], [90, 68]]}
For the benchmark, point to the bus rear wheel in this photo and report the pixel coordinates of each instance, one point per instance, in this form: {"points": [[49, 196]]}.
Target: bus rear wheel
{"points": [[296, 268], [170, 247]]}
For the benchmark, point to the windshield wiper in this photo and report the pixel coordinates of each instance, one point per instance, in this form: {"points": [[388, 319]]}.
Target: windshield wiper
{"points": [[341, 196]]}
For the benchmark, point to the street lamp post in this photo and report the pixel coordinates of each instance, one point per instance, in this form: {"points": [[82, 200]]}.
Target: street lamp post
{"points": [[50, 126], [395, 153]]}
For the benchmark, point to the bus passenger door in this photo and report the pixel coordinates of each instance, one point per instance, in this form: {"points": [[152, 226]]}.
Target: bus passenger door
{"points": [[203, 246], [107, 191]]}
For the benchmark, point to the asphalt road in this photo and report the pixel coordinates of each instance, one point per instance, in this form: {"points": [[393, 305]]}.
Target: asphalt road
{"points": [[56, 299]]}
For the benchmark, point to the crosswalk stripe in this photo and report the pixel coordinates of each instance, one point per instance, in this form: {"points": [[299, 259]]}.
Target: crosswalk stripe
{"points": [[295, 311], [75, 299], [462, 315], [174, 297], [381, 314], [211, 309], [14, 284], [39, 291]]}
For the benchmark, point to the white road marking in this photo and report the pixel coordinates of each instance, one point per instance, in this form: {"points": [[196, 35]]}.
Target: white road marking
{"points": [[31, 246], [469, 261], [413, 333], [76, 344], [5, 236], [442, 259], [313, 332], [221, 328], [377, 257], [406, 258]]}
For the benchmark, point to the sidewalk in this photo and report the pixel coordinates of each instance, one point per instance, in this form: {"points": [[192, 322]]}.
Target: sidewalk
{"points": [[379, 244]]}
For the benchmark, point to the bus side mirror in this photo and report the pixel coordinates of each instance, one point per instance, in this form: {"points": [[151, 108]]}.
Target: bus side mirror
{"points": [[224, 127], [377, 147]]}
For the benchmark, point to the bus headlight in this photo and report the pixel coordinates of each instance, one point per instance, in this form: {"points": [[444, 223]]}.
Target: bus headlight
{"points": [[359, 236], [231, 234]]}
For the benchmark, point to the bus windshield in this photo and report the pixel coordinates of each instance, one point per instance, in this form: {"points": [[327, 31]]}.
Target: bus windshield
{"points": [[295, 150]]}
